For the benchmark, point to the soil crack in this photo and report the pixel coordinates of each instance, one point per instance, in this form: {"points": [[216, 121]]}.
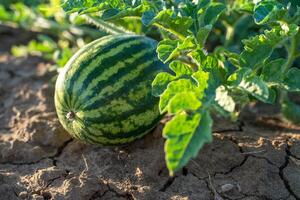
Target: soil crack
{"points": [[281, 173], [57, 154], [168, 183], [60, 151], [246, 156], [125, 195]]}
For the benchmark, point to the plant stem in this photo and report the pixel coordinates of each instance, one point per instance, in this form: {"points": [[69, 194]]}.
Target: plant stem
{"points": [[174, 32], [187, 60], [292, 51], [292, 55], [179, 35], [105, 26]]}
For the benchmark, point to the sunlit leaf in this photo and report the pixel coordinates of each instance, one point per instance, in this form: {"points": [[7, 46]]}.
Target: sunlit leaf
{"points": [[186, 135], [292, 80]]}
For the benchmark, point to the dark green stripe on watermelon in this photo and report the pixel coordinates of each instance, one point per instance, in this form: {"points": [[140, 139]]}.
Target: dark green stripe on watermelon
{"points": [[82, 67], [127, 87], [114, 78]]}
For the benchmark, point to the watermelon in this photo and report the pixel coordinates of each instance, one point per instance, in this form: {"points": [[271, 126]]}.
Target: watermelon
{"points": [[103, 94]]}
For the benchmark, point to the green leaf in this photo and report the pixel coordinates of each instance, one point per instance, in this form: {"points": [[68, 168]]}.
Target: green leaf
{"points": [[203, 33], [110, 13], [292, 80], [165, 48], [170, 49], [201, 78], [82, 5], [269, 11], [147, 17], [263, 10], [186, 134], [182, 48], [178, 25], [272, 71], [272, 96], [255, 87], [183, 101], [130, 12], [213, 12], [161, 82], [291, 111], [224, 100], [178, 86], [236, 78], [180, 68], [259, 48]]}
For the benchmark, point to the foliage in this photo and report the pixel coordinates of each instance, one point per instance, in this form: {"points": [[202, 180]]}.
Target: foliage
{"points": [[60, 35], [221, 54]]}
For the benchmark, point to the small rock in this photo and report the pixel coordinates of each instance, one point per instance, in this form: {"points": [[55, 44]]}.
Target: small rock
{"points": [[23, 195]]}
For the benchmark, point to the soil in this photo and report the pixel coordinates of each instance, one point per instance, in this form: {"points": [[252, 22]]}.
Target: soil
{"points": [[256, 158]]}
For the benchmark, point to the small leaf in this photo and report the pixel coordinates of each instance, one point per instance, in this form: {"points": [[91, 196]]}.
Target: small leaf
{"points": [[170, 49], [178, 86], [203, 33], [182, 48], [255, 87], [236, 78], [186, 135], [272, 96], [165, 48], [291, 111], [224, 100], [170, 21], [82, 6], [184, 101], [269, 11], [272, 71], [147, 17], [110, 13], [180, 68], [259, 48], [201, 78], [213, 12], [292, 80], [263, 10], [161, 82]]}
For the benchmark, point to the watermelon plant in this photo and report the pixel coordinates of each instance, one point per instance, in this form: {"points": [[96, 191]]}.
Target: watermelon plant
{"points": [[220, 56]]}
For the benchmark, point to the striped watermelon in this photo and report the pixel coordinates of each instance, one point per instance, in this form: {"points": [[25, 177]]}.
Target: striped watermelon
{"points": [[103, 94]]}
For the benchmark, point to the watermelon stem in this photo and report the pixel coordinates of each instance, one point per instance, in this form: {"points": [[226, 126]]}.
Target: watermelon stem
{"points": [[70, 115]]}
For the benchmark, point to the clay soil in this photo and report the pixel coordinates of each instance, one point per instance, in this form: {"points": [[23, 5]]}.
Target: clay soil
{"points": [[256, 158]]}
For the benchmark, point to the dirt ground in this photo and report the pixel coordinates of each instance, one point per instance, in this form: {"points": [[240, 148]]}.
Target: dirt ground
{"points": [[256, 158]]}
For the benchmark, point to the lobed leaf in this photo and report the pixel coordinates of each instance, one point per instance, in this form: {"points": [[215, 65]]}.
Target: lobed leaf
{"points": [[259, 48], [272, 72], [291, 111], [161, 82], [173, 88], [213, 12], [186, 134], [168, 20], [263, 11], [292, 80], [165, 49], [255, 87], [184, 101], [224, 100]]}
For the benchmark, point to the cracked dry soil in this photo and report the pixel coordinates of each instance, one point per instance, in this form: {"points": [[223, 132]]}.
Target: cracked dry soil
{"points": [[256, 158]]}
